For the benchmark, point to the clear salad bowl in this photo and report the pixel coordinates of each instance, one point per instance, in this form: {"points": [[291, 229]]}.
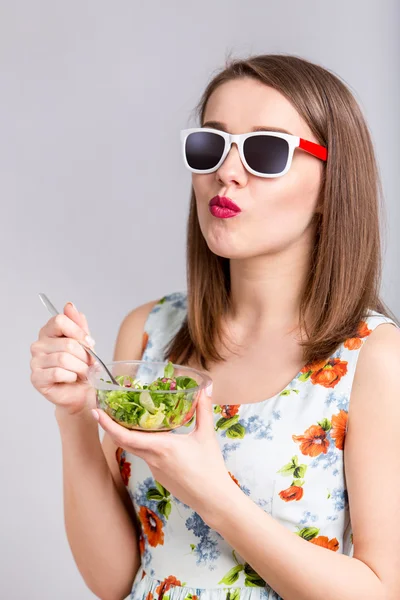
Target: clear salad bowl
{"points": [[152, 396]]}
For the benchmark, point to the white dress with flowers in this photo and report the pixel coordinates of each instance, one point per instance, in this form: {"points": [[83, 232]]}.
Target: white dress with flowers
{"points": [[285, 453]]}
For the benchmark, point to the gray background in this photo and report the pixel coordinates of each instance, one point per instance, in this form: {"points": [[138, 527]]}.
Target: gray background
{"points": [[89, 90]]}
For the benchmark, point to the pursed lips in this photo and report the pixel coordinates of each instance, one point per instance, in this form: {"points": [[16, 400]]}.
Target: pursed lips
{"points": [[224, 202]]}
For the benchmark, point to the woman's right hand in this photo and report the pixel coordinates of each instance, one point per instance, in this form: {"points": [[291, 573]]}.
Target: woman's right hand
{"points": [[59, 364]]}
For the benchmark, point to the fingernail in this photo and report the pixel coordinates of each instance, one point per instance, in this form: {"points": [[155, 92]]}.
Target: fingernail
{"points": [[209, 390], [89, 340], [95, 414], [73, 306]]}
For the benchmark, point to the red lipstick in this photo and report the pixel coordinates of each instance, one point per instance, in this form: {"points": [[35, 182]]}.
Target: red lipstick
{"points": [[223, 207]]}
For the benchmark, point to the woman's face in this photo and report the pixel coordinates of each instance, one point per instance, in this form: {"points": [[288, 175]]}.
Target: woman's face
{"points": [[276, 212]]}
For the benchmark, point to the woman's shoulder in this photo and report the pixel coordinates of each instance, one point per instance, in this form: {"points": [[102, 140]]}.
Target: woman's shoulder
{"points": [[378, 326], [378, 337], [383, 333], [375, 323]]}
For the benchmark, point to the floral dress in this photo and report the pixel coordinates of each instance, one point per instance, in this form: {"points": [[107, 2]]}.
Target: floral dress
{"points": [[285, 453]]}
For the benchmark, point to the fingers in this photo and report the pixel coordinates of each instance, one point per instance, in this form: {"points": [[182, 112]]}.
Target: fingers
{"points": [[79, 318], [61, 325], [41, 378], [48, 345], [63, 361], [145, 444], [57, 354]]}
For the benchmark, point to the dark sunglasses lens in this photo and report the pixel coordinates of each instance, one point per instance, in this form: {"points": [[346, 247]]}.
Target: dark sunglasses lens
{"points": [[204, 149], [266, 153]]}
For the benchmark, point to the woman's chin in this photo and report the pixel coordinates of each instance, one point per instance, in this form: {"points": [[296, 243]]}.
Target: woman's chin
{"points": [[224, 249]]}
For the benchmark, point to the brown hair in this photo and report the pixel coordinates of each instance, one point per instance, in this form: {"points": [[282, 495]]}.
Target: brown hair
{"points": [[345, 272]]}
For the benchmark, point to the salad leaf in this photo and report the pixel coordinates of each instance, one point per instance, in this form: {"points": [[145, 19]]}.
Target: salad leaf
{"points": [[169, 370], [152, 421], [147, 402], [139, 407]]}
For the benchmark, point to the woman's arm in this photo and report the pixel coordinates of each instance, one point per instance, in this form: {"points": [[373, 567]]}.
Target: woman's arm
{"points": [[98, 519], [299, 570], [100, 532]]}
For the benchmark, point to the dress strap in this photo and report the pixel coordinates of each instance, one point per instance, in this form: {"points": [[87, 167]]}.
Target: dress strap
{"points": [[162, 324]]}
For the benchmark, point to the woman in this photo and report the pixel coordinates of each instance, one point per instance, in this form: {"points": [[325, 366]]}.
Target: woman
{"points": [[254, 499]]}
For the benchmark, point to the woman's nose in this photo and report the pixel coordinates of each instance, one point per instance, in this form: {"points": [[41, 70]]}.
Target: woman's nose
{"points": [[232, 167]]}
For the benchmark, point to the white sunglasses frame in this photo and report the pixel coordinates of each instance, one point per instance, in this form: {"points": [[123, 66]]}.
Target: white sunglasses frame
{"points": [[293, 141]]}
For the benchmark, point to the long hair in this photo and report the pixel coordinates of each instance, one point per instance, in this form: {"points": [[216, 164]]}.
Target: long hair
{"points": [[344, 277]]}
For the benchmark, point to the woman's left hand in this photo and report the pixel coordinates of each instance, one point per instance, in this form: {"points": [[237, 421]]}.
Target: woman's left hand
{"points": [[191, 467]]}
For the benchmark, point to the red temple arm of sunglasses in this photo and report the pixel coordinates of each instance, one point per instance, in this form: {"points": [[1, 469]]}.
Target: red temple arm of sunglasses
{"points": [[314, 149]]}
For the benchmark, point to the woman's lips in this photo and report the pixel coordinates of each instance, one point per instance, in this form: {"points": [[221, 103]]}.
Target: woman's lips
{"points": [[223, 207], [222, 213]]}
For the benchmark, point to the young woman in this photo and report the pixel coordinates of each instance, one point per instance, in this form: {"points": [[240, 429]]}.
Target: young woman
{"points": [[286, 485]]}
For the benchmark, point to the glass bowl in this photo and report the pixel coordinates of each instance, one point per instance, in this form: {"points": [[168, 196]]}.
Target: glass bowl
{"points": [[153, 396]]}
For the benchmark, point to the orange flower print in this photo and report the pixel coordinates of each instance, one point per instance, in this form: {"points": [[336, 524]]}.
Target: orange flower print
{"points": [[294, 492], [152, 526], [149, 596], [124, 466], [145, 339], [234, 478], [323, 541], [314, 441], [166, 584], [326, 372], [356, 342], [338, 431], [229, 410]]}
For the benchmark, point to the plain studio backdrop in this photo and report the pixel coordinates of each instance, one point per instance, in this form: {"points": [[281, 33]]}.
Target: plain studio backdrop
{"points": [[95, 196]]}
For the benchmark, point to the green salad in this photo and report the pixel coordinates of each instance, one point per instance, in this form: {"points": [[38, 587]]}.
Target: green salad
{"points": [[141, 408]]}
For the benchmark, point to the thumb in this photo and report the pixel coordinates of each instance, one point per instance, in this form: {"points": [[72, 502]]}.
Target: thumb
{"points": [[79, 318], [204, 413]]}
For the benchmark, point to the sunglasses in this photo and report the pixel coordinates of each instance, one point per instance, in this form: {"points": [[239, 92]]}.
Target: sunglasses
{"points": [[263, 153]]}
